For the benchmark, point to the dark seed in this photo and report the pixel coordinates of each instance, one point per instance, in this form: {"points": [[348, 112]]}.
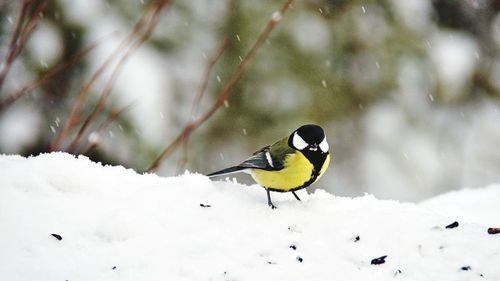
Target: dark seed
{"points": [[299, 259], [356, 238], [57, 236], [205, 206], [397, 272], [452, 225], [466, 268], [480, 274], [114, 267], [293, 247], [493, 230], [379, 260]]}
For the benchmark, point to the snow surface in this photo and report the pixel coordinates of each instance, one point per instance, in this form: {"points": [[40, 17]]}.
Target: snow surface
{"points": [[116, 224]]}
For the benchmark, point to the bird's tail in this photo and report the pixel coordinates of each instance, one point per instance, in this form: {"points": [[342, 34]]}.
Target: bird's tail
{"points": [[230, 170]]}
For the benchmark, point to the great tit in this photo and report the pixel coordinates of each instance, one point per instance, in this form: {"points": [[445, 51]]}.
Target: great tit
{"points": [[290, 164]]}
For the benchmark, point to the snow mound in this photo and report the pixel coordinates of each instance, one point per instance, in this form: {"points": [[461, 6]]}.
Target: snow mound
{"points": [[480, 205], [110, 223]]}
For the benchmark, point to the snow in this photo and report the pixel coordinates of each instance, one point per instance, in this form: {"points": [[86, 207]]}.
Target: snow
{"points": [[468, 205], [117, 224]]}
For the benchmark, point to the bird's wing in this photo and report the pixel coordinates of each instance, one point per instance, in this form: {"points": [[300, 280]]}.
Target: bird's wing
{"points": [[261, 159], [270, 158]]}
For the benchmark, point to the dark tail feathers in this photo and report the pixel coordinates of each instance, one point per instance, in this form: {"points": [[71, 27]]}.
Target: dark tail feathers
{"points": [[226, 171]]}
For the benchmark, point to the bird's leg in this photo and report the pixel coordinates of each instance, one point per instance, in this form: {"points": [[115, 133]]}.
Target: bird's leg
{"points": [[296, 196], [269, 200]]}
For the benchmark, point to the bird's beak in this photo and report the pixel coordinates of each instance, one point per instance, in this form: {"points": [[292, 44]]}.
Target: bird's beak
{"points": [[313, 147]]}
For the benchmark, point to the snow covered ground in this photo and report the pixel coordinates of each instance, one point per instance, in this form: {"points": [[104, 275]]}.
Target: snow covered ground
{"points": [[115, 224]]}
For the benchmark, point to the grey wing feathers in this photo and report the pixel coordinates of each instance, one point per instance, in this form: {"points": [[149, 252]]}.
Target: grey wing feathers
{"points": [[259, 160], [262, 159], [230, 170]]}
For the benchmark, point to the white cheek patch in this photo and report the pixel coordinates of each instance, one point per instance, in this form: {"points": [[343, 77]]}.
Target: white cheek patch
{"points": [[298, 142], [324, 145]]}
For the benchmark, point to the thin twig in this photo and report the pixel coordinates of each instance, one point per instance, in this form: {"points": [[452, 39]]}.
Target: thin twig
{"points": [[199, 95], [203, 86], [226, 91], [116, 71], [110, 119], [21, 34], [31, 25], [74, 116], [13, 45], [53, 71]]}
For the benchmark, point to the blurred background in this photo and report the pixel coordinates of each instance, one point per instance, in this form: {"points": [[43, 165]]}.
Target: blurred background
{"points": [[408, 91]]}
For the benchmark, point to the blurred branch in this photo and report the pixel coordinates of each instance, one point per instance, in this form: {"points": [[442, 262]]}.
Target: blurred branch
{"points": [[53, 71], [210, 64], [110, 119], [145, 26], [116, 71], [226, 91], [199, 95], [21, 33], [31, 25]]}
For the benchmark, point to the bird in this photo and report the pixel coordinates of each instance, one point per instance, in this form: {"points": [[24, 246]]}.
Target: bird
{"points": [[290, 164]]}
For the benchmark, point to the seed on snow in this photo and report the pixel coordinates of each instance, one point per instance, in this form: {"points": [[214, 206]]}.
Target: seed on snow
{"points": [[398, 271], [57, 236], [493, 230], [379, 260]]}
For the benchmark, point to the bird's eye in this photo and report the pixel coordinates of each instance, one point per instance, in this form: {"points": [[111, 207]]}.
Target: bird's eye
{"points": [[324, 145], [298, 142]]}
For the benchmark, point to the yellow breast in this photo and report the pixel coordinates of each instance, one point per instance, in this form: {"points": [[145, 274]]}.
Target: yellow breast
{"points": [[297, 171]]}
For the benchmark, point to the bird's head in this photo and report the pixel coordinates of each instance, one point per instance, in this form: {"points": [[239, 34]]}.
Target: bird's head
{"points": [[309, 138]]}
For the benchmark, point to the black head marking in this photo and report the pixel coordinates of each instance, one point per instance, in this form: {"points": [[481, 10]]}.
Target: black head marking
{"points": [[311, 134]]}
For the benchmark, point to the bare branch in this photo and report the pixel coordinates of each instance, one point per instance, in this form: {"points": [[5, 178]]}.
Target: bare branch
{"points": [[226, 91], [31, 25], [53, 71], [111, 81], [210, 64], [109, 120], [199, 95], [13, 45], [21, 34], [151, 14]]}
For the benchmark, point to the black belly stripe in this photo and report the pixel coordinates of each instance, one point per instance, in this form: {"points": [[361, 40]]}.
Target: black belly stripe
{"points": [[317, 163]]}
